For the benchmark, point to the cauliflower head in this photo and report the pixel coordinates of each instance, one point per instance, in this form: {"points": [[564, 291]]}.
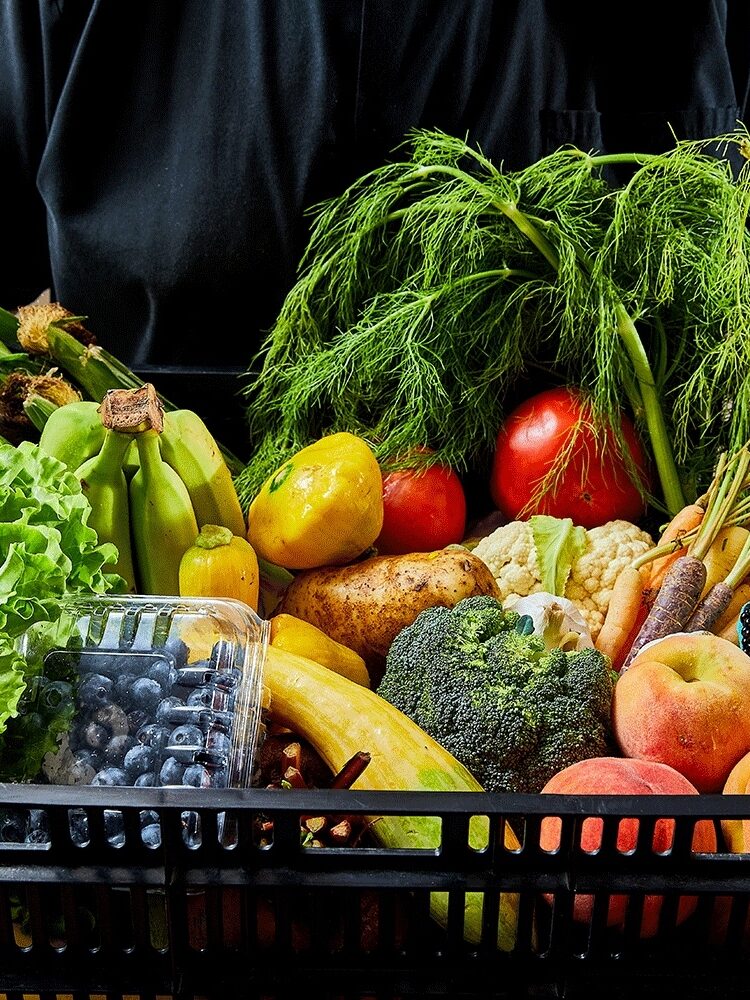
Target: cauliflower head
{"points": [[510, 554]]}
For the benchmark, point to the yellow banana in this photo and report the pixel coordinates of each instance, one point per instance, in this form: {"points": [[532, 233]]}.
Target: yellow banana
{"points": [[104, 484], [190, 449], [73, 433], [162, 519]]}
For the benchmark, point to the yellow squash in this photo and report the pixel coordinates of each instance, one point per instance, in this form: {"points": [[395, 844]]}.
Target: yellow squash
{"points": [[324, 507], [300, 637], [220, 564]]}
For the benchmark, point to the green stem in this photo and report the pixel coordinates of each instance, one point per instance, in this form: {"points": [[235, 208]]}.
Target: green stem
{"points": [[653, 414]]}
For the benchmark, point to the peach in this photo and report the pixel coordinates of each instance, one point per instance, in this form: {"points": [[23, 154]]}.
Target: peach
{"points": [[685, 701], [737, 831], [621, 776]]}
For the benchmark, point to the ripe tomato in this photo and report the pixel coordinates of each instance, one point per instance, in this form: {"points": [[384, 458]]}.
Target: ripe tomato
{"points": [[423, 510], [594, 486]]}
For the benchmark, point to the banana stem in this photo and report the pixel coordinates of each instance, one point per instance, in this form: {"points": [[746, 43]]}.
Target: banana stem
{"points": [[113, 451], [149, 453]]}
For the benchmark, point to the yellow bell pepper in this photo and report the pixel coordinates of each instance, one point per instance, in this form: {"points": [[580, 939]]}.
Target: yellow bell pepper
{"points": [[324, 507], [220, 564], [305, 639]]}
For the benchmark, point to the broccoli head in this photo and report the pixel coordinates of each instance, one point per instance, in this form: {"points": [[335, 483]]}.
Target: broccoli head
{"points": [[513, 711]]}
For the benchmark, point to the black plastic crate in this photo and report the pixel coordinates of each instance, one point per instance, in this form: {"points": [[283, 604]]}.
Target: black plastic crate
{"points": [[211, 911]]}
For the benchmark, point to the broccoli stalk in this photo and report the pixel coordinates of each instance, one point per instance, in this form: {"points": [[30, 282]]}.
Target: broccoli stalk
{"points": [[508, 707]]}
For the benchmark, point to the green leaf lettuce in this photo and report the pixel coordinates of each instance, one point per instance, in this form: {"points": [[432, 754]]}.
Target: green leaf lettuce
{"points": [[47, 552]]}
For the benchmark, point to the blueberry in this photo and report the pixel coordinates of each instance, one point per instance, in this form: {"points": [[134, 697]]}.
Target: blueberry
{"points": [[145, 780], [210, 719], [87, 757], [186, 736], [219, 742], [139, 759], [176, 649], [196, 776], [55, 694], [117, 748], [170, 709], [95, 691], [113, 717], [123, 684], [152, 735], [171, 772], [110, 776], [81, 773], [163, 673], [95, 736], [145, 693], [201, 697], [151, 835], [108, 664], [219, 777], [137, 718]]}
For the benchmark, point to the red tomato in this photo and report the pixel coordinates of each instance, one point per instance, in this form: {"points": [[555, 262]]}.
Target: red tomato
{"points": [[423, 510], [594, 486]]}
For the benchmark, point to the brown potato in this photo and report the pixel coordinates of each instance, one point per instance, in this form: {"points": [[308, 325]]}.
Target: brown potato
{"points": [[366, 604]]}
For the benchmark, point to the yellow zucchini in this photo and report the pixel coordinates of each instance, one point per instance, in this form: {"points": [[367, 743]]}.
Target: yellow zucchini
{"points": [[340, 718], [300, 637]]}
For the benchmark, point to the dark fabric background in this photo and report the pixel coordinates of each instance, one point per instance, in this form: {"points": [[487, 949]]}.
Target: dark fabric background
{"points": [[158, 156]]}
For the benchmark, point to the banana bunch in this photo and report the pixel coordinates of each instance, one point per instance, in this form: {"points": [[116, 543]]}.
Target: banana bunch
{"points": [[153, 479]]}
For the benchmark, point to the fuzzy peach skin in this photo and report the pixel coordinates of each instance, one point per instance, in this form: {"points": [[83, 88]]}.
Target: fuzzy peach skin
{"points": [[737, 831], [685, 701], [620, 776]]}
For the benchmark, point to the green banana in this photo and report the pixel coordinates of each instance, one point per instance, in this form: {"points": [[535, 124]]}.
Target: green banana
{"points": [[73, 433], [190, 449], [103, 482], [162, 519]]}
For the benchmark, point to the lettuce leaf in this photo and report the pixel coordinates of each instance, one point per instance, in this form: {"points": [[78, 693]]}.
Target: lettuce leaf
{"points": [[47, 552], [558, 543]]}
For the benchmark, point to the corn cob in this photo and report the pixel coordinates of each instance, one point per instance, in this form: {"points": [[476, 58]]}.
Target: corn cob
{"points": [[39, 409]]}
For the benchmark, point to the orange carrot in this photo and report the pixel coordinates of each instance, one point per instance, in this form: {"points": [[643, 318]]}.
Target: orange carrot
{"points": [[686, 520], [622, 611]]}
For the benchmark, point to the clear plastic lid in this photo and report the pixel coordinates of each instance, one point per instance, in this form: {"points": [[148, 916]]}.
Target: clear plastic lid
{"points": [[160, 691]]}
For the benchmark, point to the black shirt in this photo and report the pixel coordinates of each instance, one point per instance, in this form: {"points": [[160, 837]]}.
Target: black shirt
{"points": [[158, 156]]}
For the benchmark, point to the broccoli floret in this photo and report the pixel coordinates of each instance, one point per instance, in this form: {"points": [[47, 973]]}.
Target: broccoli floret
{"points": [[511, 710]]}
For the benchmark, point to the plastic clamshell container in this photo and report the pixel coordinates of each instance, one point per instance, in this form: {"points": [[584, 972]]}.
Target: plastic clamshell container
{"points": [[160, 691]]}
